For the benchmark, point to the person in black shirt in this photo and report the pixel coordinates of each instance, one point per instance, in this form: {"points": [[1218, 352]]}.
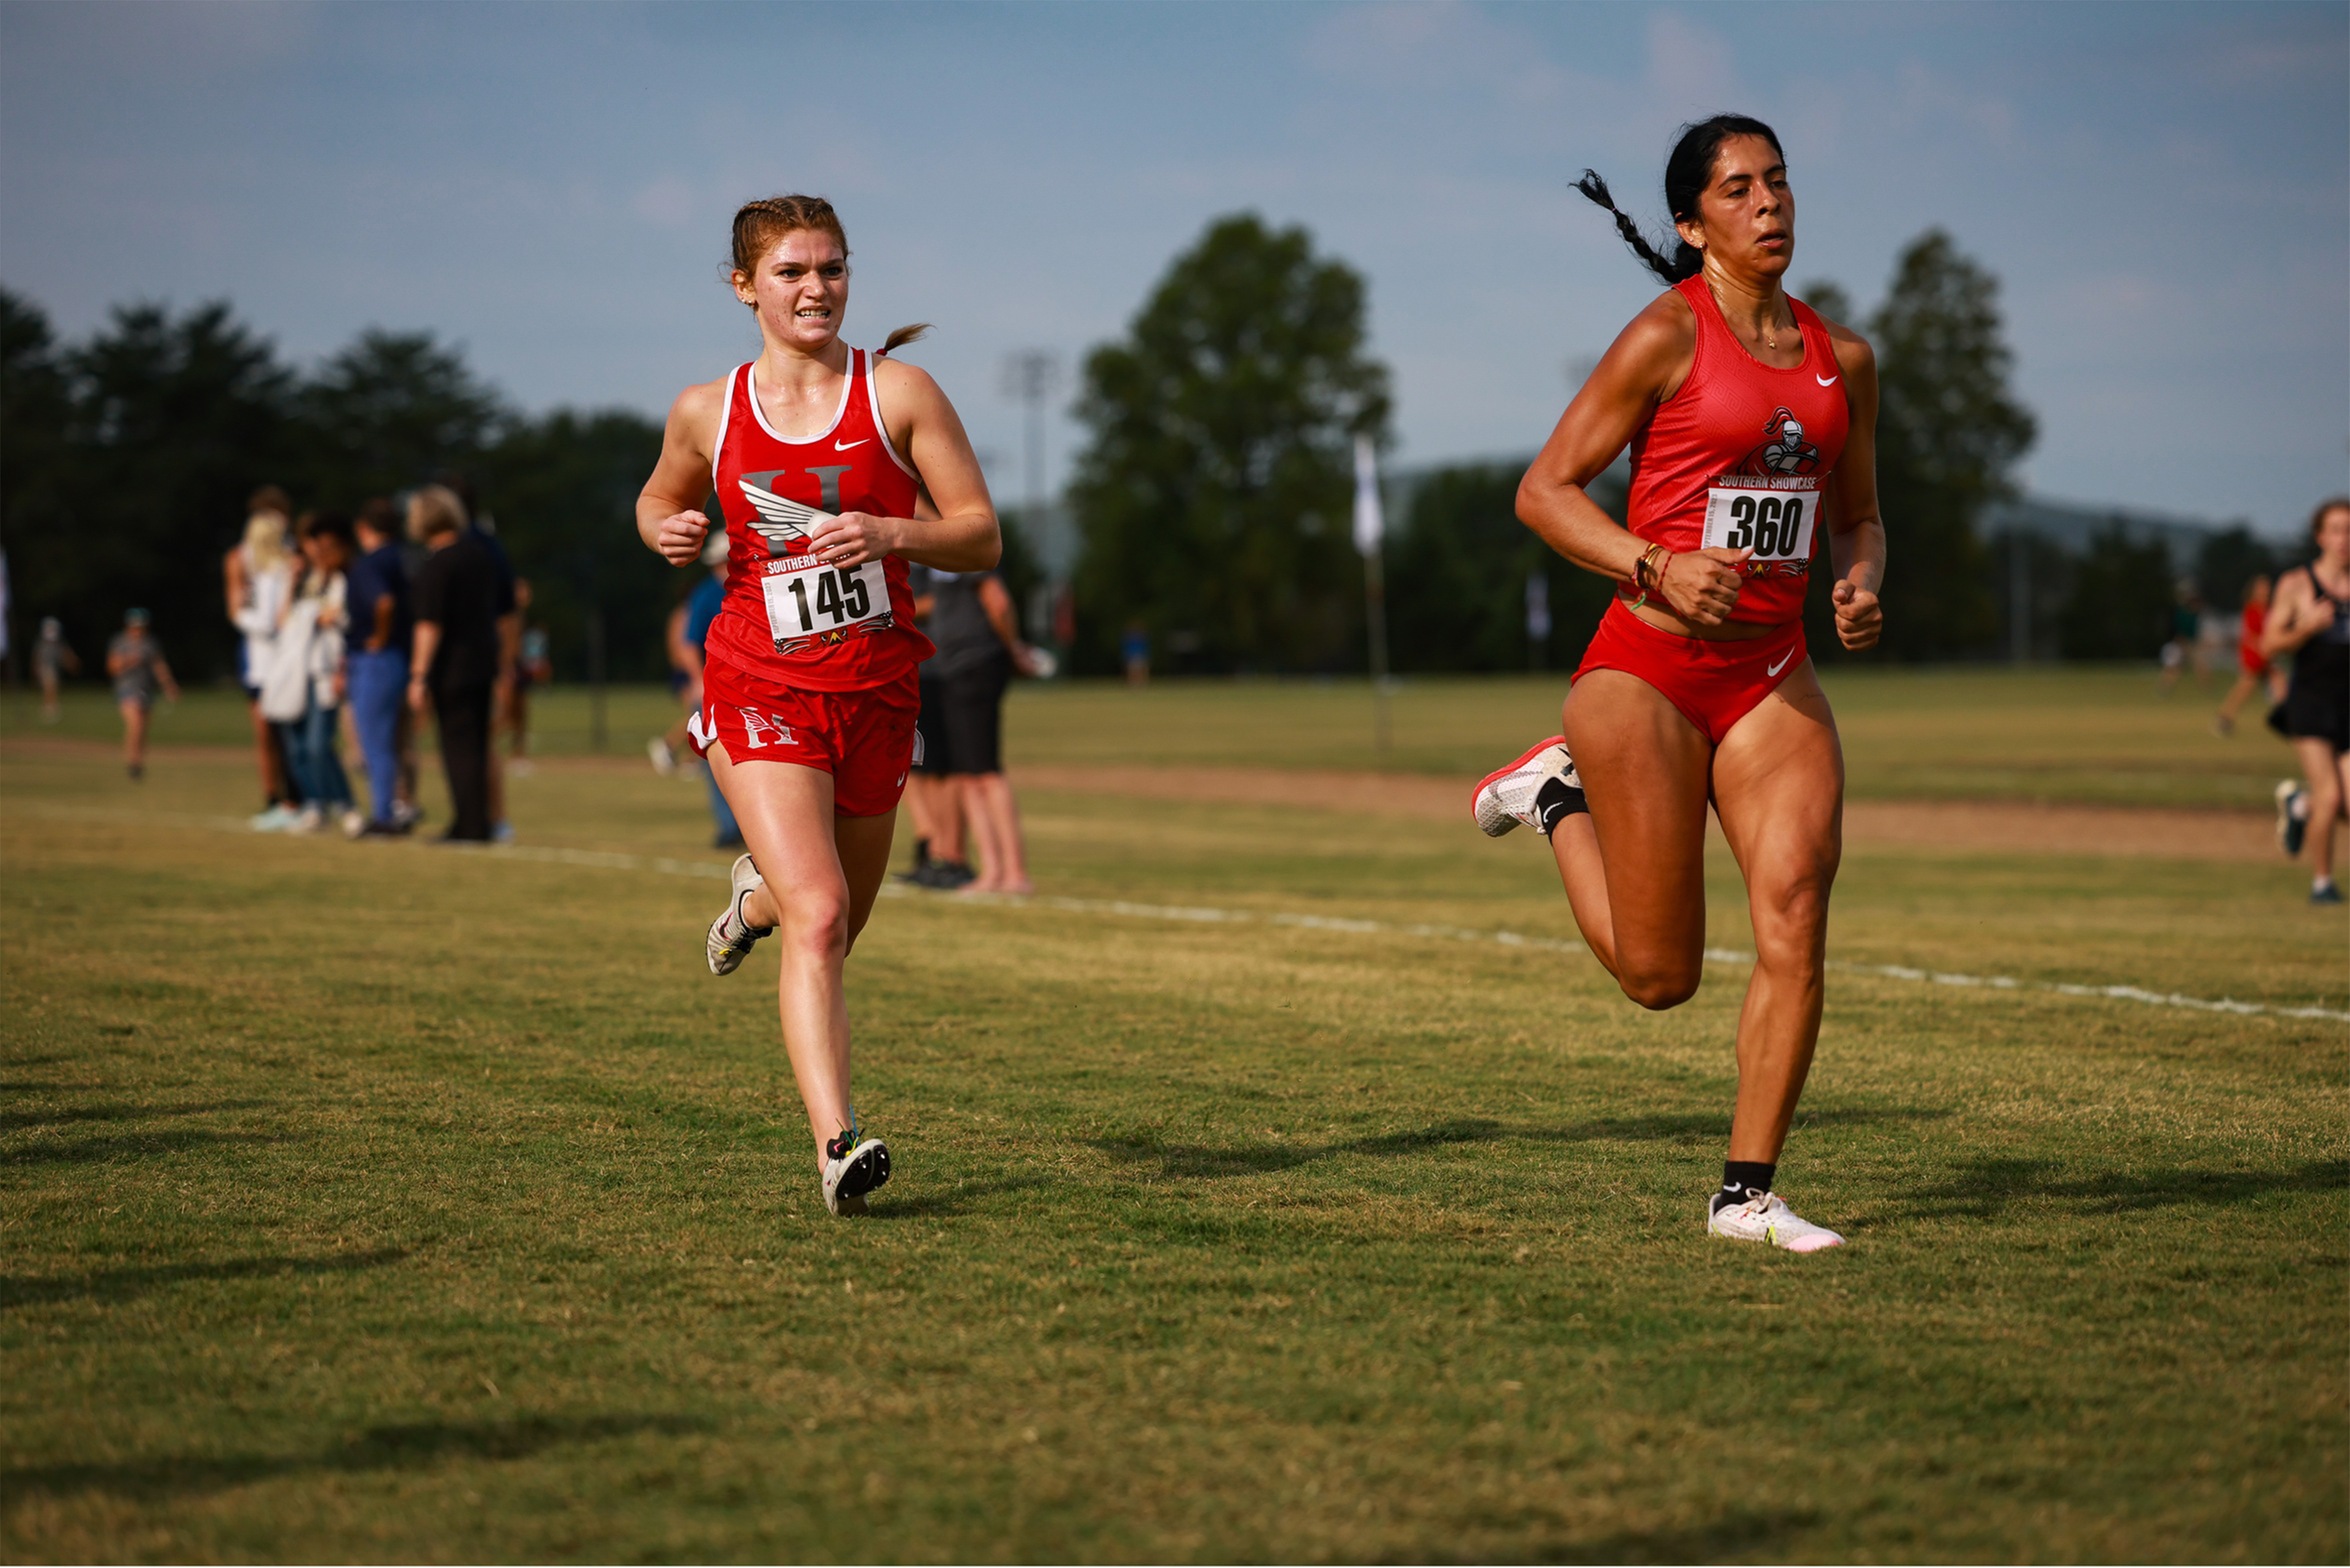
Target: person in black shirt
{"points": [[456, 655], [376, 598]]}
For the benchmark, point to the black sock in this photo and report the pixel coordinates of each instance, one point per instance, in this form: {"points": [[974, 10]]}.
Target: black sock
{"points": [[1556, 801], [1743, 1179], [921, 853]]}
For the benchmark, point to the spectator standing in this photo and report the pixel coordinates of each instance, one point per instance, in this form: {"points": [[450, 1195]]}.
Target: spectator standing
{"points": [[455, 657], [941, 854], [693, 636], [257, 577], [52, 658], [376, 596], [302, 690], [134, 662], [483, 529], [977, 632], [532, 668]]}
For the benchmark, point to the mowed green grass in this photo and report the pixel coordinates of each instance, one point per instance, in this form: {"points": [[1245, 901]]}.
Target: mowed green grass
{"points": [[2090, 735], [367, 1200]]}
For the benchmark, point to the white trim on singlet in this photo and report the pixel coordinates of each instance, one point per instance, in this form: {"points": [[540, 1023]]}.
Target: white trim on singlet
{"points": [[725, 416], [751, 380], [873, 407]]}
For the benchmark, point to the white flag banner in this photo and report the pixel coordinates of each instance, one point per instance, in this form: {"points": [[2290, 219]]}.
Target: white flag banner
{"points": [[1370, 522]]}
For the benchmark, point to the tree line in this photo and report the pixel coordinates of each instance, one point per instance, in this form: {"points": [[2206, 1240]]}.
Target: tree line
{"points": [[126, 461], [1212, 495]]}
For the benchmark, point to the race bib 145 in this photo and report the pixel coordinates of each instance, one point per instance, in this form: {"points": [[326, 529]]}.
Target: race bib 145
{"points": [[806, 598]]}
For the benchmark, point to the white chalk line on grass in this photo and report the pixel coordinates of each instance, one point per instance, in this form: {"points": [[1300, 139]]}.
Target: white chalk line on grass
{"points": [[612, 860], [1199, 915]]}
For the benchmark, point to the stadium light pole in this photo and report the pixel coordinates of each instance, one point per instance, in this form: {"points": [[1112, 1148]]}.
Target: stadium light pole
{"points": [[1030, 377], [1370, 532]]}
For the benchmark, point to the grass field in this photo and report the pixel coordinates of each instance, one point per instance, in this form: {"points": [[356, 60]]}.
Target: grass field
{"points": [[367, 1200]]}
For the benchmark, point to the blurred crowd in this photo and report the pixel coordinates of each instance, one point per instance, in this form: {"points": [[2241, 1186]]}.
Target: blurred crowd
{"points": [[363, 627]]}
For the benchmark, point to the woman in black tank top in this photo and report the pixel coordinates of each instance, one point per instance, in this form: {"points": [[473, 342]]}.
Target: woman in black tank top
{"points": [[2311, 621]]}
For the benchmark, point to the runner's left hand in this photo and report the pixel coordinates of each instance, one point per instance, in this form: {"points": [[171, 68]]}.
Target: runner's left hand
{"points": [[1860, 619], [852, 539]]}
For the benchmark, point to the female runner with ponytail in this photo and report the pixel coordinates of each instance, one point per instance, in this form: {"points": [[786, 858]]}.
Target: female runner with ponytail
{"points": [[833, 468], [1752, 424]]}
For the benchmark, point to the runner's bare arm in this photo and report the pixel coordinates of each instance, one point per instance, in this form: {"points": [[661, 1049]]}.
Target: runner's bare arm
{"points": [[2295, 598], [1856, 528], [669, 518], [1645, 366], [963, 536]]}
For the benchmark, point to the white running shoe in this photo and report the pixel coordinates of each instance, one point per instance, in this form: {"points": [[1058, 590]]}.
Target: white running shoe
{"points": [[1768, 1218], [275, 820], [307, 820], [2292, 815], [1505, 798], [731, 936], [353, 824], [663, 759], [853, 1167]]}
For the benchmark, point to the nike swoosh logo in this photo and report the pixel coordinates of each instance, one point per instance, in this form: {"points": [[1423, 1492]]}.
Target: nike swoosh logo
{"points": [[843, 446], [1826, 381], [1782, 664]]}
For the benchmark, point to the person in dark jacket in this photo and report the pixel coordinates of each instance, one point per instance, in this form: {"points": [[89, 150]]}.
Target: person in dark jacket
{"points": [[456, 653], [376, 598]]}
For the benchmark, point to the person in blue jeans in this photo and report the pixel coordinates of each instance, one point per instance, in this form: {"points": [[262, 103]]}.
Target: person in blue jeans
{"points": [[701, 608], [376, 598]]}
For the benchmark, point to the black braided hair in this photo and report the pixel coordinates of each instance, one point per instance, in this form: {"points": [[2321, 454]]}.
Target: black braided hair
{"points": [[1684, 261], [1687, 172]]}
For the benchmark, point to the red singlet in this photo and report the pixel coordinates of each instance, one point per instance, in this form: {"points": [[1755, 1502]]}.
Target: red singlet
{"points": [[2249, 658], [1741, 456], [787, 622]]}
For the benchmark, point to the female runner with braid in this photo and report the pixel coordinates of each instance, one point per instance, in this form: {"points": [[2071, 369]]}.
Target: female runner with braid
{"points": [[833, 468], [1752, 425]]}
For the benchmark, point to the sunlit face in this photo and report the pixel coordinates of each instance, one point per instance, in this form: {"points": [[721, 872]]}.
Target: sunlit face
{"points": [[2333, 537], [800, 290], [1746, 213]]}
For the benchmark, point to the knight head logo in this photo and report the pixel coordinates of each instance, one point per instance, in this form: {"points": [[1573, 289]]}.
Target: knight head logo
{"points": [[1786, 452]]}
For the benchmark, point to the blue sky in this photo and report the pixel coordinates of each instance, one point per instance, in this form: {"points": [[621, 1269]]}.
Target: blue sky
{"points": [[2162, 189]]}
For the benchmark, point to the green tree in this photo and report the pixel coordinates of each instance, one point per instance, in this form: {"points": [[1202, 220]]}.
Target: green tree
{"points": [[386, 413], [1949, 433], [2120, 603], [1457, 574], [36, 416], [563, 489], [1213, 495], [174, 422]]}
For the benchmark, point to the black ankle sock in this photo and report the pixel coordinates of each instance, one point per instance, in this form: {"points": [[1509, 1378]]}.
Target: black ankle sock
{"points": [[1556, 801], [1744, 1179], [921, 853]]}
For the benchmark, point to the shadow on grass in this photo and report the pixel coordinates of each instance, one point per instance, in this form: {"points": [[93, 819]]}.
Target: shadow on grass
{"points": [[406, 1445], [11, 1121], [1989, 1187], [128, 1283], [93, 1150], [958, 1199], [1199, 1162], [1734, 1535]]}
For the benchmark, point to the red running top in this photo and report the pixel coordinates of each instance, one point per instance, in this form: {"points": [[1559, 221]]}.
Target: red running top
{"points": [[788, 621], [1741, 455]]}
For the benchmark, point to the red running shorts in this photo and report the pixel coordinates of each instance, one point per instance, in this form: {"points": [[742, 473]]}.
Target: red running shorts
{"points": [[1713, 683], [864, 739]]}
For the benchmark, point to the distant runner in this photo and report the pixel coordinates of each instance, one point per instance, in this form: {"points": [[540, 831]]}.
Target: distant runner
{"points": [[2311, 621], [1752, 423], [820, 455]]}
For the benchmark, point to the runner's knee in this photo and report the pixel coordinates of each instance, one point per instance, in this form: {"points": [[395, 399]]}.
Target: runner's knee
{"points": [[1658, 985], [815, 924]]}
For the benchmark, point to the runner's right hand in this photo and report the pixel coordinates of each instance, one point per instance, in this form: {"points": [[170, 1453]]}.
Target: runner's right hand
{"points": [[680, 537], [1701, 586]]}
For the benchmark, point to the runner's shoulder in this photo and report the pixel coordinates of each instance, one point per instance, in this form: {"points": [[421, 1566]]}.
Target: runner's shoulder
{"points": [[1657, 346], [1853, 350], [700, 402]]}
